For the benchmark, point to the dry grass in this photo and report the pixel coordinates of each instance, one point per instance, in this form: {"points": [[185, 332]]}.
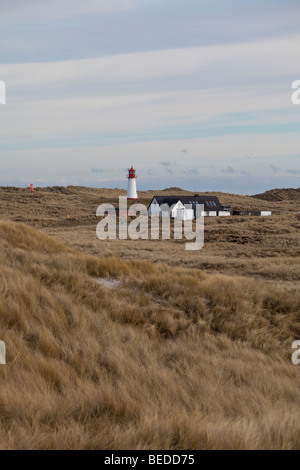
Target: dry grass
{"points": [[258, 247], [174, 358]]}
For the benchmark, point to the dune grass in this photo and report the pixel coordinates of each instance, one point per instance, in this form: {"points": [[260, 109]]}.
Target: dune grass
{"points": [[173, 358]]}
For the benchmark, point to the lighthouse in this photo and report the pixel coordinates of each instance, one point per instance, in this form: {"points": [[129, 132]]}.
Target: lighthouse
{"points": [[131, 192]]}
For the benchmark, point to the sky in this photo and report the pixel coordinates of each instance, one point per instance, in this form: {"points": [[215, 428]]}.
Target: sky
{"points": [[193, 93]]}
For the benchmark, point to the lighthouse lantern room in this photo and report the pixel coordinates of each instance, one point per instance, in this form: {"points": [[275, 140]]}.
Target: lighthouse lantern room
{"points": [[131, 192]]}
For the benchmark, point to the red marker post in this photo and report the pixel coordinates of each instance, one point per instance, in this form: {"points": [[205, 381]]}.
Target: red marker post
{"points": [[31, 188]]}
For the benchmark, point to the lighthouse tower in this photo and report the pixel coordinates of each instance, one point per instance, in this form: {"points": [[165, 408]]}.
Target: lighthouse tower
{"points": [[131, 192]]}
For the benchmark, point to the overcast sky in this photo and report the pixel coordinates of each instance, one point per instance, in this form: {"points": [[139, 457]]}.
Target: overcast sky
{"points": [[193, 93]]}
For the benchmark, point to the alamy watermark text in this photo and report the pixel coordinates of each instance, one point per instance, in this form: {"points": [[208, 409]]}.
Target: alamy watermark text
{"points": [[2, 92], [296, 354], [296, 94], [2, 353], [146, 226]]}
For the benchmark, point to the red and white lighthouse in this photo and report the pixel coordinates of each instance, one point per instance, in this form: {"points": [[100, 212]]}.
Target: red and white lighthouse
{"points": [[131, 191]]}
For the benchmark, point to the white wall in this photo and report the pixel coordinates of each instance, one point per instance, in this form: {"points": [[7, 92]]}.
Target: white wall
{"points": [[185, 214], [224, 213], [177, 207], [265, 213], [154, 209], [207, 214]]}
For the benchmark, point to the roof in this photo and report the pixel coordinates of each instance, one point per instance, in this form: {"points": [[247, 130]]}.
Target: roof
{"points": [[170, 200], [211, 203]]}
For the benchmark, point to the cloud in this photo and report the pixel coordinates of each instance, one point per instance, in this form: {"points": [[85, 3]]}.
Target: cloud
{"points": [[67, 8], [144, 101], [275, 169], [233, 171], [245, 63], [190, 171], [97, 170], [293, 171], [133, 92], [166, 165], [229, 170]]}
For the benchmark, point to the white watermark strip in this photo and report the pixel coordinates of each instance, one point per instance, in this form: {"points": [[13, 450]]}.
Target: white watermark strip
{"points": [[2, 92], [296, 354], [296, 95], [2, 353]]}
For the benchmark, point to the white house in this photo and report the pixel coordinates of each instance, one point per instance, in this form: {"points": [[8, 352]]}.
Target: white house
{"points": [[265, 213], [164, 208], [187, 207], [185, 214], [224, 213]]}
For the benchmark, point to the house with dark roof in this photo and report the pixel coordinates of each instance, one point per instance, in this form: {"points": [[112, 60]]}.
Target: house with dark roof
{"points": [[187, 207]]}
